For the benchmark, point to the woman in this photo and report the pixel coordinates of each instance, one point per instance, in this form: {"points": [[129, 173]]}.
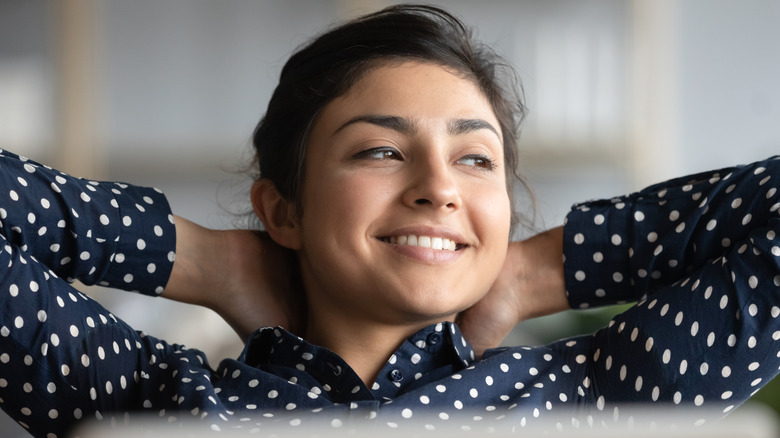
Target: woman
{"points": [[385, 180]]}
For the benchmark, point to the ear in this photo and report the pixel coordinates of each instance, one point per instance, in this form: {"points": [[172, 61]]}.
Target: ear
{"points": [[278, 215]]}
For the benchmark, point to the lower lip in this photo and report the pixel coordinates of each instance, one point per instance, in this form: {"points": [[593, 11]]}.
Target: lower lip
{"points": [[425, 255]]}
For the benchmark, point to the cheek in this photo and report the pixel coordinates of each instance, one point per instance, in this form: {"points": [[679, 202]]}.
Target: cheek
{"points": [[343, 202], [493, 213]]}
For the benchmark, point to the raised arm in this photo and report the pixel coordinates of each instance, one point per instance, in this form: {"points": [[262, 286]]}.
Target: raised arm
{"points": [[63, 357], [702, 256], [242, 275], [86, 230], [531, 284]]}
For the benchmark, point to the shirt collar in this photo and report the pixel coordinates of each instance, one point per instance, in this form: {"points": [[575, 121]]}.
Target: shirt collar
{"points": [[432, 353]]}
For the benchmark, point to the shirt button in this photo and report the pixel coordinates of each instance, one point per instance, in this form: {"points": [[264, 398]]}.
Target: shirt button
{"points": [[434, 338], [335, 368], [396, 375]]}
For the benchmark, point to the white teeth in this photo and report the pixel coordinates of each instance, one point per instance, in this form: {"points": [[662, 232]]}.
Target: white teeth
{"points": [[424, 242]]}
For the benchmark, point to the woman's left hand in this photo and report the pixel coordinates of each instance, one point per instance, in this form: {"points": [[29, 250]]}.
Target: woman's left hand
{"points": [[530, 284]]}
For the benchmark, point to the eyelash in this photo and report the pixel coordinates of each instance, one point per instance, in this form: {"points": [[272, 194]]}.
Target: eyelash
{"points": [[373, 153], [487, 164], [386, 152]]}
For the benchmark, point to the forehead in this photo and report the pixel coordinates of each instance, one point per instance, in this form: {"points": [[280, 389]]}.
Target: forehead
{"points": [[425, 93]]}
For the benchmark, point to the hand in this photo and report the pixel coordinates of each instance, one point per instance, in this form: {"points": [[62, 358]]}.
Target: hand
{"points": [[530, 284], [244, 276]]}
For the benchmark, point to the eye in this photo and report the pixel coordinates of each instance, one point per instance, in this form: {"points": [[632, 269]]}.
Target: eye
{"points": [[479, 161], [379, 153]]}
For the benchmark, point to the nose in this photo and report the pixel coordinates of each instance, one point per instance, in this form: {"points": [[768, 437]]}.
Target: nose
{"points": [[432, 184]]}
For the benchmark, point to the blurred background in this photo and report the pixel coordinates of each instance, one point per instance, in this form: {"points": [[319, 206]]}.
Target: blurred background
{"points": [[167, 92]]}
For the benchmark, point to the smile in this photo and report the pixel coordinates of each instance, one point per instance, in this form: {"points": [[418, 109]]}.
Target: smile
{"points": [[441, 243]]}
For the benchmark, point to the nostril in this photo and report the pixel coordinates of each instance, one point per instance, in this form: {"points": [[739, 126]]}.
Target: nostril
{"points": [[422, 201]]}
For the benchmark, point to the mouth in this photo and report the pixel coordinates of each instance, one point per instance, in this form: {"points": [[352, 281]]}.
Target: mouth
{"points": [[433, 242]]}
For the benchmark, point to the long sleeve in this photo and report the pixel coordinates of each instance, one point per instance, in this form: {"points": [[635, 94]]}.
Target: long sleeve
{"points": [[63, 357], [701, 254], [95, 232]]}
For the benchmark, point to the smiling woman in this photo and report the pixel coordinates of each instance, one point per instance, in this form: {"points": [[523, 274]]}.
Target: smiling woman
{"points": [[410, 151], [386, 168]]}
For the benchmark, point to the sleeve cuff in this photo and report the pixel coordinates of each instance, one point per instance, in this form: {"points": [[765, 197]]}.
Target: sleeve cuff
{"points": [[596, 254], [145, 248]]}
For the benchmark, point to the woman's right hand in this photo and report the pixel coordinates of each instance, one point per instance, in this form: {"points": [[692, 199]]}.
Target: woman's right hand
{"points": [[241, 274]]}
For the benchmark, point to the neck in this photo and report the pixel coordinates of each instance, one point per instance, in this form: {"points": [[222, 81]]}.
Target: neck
{"points": [[365, 346]]}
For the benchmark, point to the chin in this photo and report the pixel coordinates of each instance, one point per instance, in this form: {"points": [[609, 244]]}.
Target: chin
{"points": [[435, 308]]}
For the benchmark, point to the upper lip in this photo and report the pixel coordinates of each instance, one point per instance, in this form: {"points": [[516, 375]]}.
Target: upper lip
{"points": [[426, 230]]}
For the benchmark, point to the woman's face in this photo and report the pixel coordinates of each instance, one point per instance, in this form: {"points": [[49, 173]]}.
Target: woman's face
{"points": [[412, 153]]}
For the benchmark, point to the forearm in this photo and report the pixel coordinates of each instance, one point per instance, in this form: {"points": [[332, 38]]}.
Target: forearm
{"points": [[240, 274], [195, 245], [105, 233], [619, 250], [538, 274]]}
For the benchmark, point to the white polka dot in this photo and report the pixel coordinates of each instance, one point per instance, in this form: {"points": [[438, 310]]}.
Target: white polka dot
{"points": [[406, 413]]}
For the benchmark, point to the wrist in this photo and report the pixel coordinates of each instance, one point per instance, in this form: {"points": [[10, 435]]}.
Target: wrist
{"points": [[540, 285], [196, 249]]}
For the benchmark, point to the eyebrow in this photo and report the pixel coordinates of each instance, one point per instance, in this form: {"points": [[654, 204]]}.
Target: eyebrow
{"points": [[399, 124], [406, 126]]}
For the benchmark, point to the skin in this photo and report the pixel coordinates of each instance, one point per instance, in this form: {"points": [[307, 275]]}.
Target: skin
{"points": [[412, 148]]}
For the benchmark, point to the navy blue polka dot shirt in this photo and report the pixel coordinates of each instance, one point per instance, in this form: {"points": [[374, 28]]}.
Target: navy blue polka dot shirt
{"points": [[699, 255]]}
